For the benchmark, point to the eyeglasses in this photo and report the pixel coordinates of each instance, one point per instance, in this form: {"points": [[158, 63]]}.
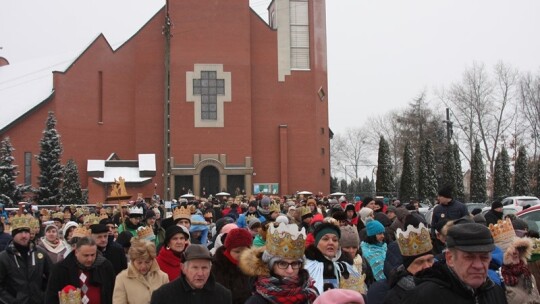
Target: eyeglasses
{"points": [[285, 265]]}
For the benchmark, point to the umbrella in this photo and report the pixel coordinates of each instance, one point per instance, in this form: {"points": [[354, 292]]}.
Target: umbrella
{"points": [[222, 194], [187, 196], [305, 193], [337, 194]]}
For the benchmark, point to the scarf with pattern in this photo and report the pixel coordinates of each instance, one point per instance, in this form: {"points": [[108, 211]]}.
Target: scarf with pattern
{"points": [[286, 290], [512, 273], [375, 255]]}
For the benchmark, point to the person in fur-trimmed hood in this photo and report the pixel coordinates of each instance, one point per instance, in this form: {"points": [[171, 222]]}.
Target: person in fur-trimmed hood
{"points": [[520, 283], [278, 268]]}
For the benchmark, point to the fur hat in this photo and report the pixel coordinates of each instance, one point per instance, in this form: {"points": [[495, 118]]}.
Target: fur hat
{"points": [[238, 237], [349, 237], [175, 229]]}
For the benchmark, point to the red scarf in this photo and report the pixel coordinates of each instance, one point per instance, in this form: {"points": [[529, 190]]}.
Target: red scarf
{"points": [[286, 290], [511, 273], [227, 254]]}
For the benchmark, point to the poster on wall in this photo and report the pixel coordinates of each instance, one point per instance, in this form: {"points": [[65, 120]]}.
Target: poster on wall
{"points": [[266, 188]]}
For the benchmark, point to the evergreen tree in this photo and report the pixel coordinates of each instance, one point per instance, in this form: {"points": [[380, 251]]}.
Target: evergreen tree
{"points": [[407, 187], [537, 179], [10, 192], [334, 184], [521, 178], [368, 188], [385, 179], [71, 192], [427, 175], [501, 180], [459, 190], [478, 176], [50, 178], [449, 168], [343, 186]]}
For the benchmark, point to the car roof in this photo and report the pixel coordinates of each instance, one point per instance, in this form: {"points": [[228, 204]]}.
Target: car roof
{"points": [[530, 209]]}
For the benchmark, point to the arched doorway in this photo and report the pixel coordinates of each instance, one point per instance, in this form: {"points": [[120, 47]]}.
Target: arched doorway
{"points": [[210, 180]]}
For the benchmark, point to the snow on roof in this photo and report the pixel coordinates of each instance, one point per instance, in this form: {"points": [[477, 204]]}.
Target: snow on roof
{"points": [[95, 165], [147, 162], [130, 174]]}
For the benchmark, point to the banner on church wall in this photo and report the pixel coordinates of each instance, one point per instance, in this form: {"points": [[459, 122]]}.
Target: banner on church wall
{"points": [[266, 188]]}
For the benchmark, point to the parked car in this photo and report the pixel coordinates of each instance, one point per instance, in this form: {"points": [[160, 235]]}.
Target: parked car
{"points": [[531, 216], [521, 201], [472, 206], [508, 209]]}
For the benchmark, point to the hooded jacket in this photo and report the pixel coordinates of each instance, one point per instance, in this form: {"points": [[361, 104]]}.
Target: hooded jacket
{"points": [[440, 284], [23, 280]]}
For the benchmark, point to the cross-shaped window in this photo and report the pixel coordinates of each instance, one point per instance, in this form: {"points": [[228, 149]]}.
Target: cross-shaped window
{"points": [[209, 87]]}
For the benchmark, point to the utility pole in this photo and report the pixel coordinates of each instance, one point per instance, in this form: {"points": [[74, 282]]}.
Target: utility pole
{"points": [[166, 108]]}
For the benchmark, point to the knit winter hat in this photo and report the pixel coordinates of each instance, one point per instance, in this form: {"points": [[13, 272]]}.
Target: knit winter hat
{"points": [[445, 191], [339, 296], [365, 213], [282, 219], [496, 204], [238, 237], [228, 228], [374, 227], [175, 229], [324, 229], [349, 237]]}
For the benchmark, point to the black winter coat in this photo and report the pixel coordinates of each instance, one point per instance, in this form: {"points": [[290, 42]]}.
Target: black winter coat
{"points": [[401, 282], [438, 284], [5, 238], [67, 273], [116, 256], [492, 217], [179, 290], [23, 280], [231, 277]]}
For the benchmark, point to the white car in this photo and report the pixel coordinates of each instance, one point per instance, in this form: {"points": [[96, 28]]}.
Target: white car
{"points": [[521, 201], [508, 209]]}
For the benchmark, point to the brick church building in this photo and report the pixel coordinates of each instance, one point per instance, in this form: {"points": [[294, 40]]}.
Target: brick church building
{"points": [[205, 96]]}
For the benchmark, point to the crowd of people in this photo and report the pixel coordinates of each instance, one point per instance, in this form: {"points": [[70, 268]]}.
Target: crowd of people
{"points": [[267, 249]]}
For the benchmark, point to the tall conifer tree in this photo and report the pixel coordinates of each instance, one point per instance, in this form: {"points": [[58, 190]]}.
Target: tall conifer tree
{"points": [[50, 178], [10, 192], [459, 190], [71, 192], [521, 177], [478, 176], [502, 186], [385, 179], [407, 188], [427, 175]]}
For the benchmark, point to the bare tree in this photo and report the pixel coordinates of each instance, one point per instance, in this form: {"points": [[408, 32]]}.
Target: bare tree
{"points": [[350, 151], [482, 108], [529, 97]]}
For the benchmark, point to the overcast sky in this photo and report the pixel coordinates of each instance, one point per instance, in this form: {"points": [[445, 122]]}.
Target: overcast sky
{"points": [[381, 54]]}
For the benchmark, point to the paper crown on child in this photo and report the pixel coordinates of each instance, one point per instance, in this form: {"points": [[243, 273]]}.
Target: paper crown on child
{"points": [[146, 233], [69, 295], [91, 219], [136, 211], [286, 241], [274, 207], [414, 241], [182, 213], [503, 233]]}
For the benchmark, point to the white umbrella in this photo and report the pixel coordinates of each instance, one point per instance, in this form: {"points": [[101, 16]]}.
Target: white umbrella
{"points": [[337, 194], [223, 194], [187, 196], [305, 193]]}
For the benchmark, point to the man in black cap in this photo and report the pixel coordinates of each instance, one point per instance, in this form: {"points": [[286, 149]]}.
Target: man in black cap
{"points": [[464, 276], [251, 212], [23, 266], [115, 254], [495, 214], [196, 283], [448, 208]]}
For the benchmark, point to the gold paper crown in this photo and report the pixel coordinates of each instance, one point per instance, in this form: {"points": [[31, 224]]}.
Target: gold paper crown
{"points": [[304, 211], [286, 241], [20, 222], [79, 212], [181, 213], [250, 217], [503, 233], [44, 212], [81, 232], [58, 215], [91, 219], [145, 233], [99, 205], [274, 207], [71, 297], [34, 222], [414, 241], [535, 246]]}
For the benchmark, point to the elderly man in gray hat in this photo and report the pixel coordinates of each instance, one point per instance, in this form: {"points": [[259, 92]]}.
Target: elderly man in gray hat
{"points": [[463, 277], [196, 284]]}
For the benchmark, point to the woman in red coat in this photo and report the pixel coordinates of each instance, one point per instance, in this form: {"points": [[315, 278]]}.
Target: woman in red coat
{"points": [[170, 255]]}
